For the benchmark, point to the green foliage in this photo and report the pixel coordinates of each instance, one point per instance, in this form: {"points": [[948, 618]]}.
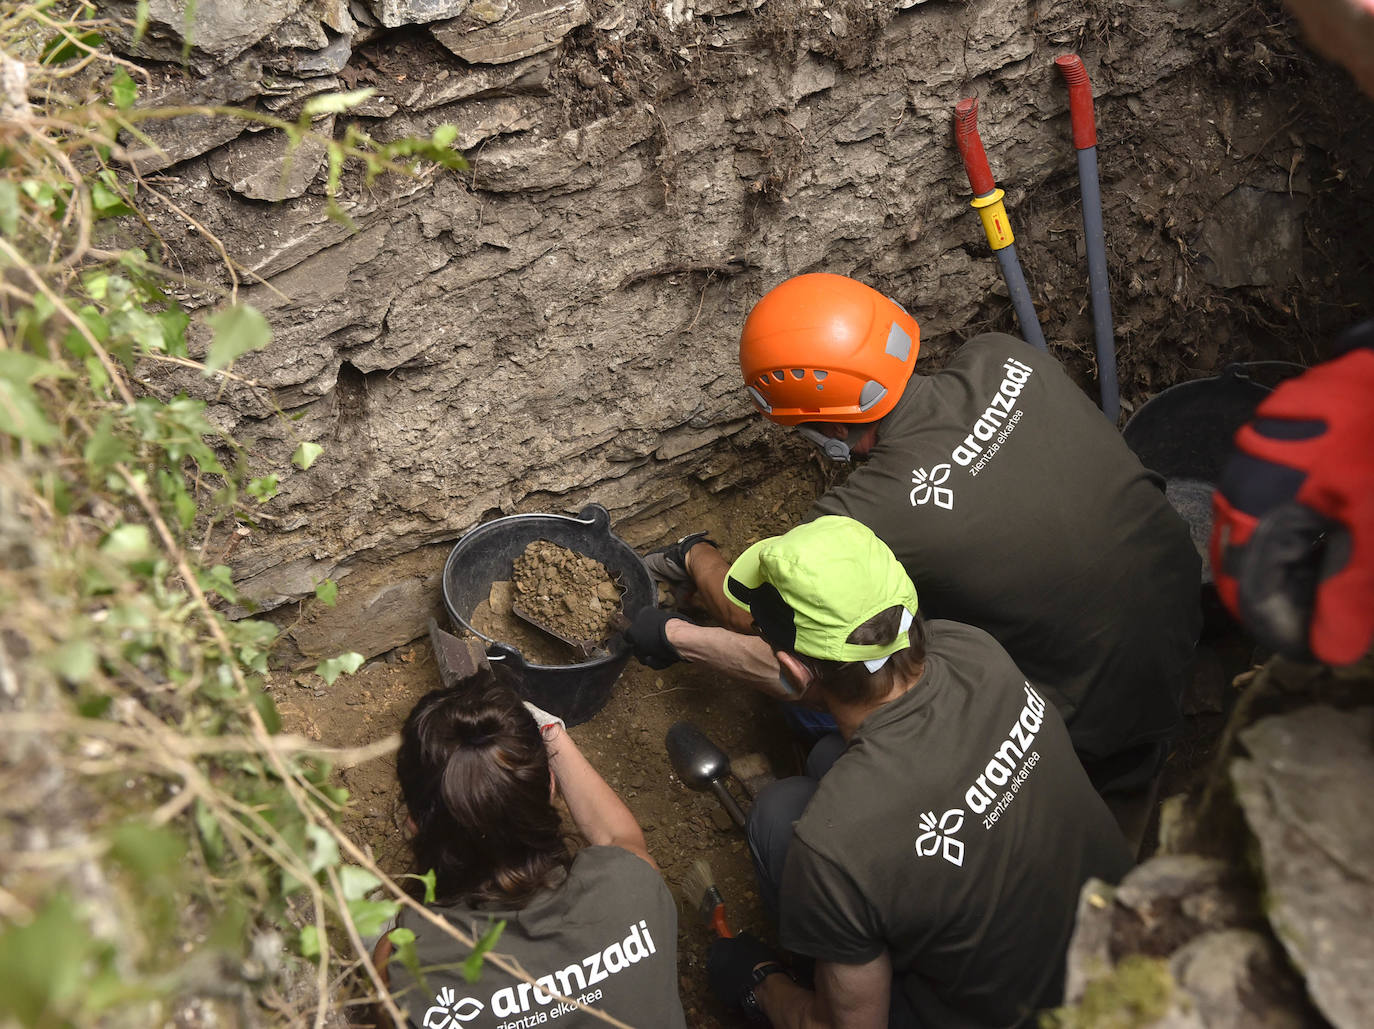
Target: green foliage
{"points": [[331, 669], [472, 966], [206, 828], [327, 592]]}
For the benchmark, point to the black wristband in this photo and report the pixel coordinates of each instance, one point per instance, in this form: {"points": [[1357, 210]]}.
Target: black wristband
{"points": [[749, 1002]]}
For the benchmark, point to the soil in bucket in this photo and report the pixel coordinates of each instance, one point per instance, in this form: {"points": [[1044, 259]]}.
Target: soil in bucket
{"points": [[570, 593]]}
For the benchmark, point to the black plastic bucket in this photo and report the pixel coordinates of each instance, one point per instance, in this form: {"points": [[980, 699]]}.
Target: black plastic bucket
{"points": [[1185, 434], [487, 554]]}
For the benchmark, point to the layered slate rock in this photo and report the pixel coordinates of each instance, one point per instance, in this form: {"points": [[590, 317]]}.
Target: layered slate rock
{"points": [[524, 28], [1305, 791], [1180, 944]]}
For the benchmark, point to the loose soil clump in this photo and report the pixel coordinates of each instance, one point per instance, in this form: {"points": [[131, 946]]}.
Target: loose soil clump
{"points": [[570, 593]]}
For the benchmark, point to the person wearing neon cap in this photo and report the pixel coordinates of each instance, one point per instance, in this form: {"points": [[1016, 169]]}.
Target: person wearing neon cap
{"points": [[1008, 497], [934, 867]]}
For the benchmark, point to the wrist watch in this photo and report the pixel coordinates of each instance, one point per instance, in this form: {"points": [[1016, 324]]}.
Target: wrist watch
{"points": [[750, 1003]]}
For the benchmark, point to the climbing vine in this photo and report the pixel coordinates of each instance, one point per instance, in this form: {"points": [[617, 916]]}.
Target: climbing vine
{"points": [[164, 845]]}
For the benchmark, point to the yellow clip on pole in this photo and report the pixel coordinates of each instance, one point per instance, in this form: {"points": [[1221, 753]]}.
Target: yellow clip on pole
{"points": [[995, 221]]}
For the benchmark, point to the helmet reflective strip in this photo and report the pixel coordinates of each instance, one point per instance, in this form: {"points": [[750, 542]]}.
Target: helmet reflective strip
{"points": [[871, 394], [766, 407], [898, 342]]}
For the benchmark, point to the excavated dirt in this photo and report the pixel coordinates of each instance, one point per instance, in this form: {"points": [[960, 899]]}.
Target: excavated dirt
{"points": [[571, 594]]}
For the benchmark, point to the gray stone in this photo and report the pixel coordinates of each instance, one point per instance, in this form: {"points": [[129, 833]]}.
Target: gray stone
{"points": [[476, 120], [163, 142], [1305, 792], [219, 30], [1235, 979], [301, 31], [394, 13], [378, 608], [327, 60], [438, 86], [264, 165], [1253, 237], [529, 27]]}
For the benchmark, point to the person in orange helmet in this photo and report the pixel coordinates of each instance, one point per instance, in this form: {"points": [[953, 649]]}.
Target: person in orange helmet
{"points": [[1011, 501]]}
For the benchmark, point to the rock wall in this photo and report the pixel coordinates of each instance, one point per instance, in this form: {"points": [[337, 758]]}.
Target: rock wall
{"points": [[558, 323]]}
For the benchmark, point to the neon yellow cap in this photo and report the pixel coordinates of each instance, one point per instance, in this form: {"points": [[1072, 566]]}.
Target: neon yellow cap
{"points": [[809, 588]]}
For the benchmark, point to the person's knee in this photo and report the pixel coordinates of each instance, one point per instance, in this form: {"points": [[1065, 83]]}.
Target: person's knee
{"points": [[775, 810], [824, 754]]}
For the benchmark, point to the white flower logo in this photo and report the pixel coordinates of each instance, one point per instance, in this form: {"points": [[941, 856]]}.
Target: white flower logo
{"points": [[941, 835], [927, 486], [448, 1009]]}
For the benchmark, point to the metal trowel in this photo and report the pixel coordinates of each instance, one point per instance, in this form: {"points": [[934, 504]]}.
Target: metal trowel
{"points": [[459, 660], [702, 765], [586, 648]]}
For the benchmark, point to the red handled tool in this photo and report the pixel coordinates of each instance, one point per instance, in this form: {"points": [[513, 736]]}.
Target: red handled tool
{"points": [[1085, 142], [987, 201]]}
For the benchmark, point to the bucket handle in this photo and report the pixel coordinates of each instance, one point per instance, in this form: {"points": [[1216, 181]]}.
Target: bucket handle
{"points": [[596, 516], [1241, 371]]}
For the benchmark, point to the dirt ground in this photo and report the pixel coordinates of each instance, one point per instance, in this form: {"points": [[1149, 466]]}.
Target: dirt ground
{"points": [[625, 742]]}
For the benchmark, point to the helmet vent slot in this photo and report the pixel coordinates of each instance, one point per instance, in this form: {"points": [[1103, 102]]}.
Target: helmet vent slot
{"points": [[778, 374], [871, 394], [798, 373], [820, 375]]}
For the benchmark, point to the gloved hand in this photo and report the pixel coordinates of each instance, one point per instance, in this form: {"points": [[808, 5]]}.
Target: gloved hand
{"points": [[647, 635], [1293, 516], [544, 720], [730, 966]]}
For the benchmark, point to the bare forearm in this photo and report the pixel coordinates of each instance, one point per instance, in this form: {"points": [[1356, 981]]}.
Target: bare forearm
{"points": [[708, 569], [746, 658], [789, 1006], [601, 816]]}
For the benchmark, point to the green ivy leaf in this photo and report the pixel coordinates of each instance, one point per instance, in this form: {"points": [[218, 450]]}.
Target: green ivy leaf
{"points": [[43, 964], [219, 579], [107, 202], [444, 136], [334, 103], [332, 668], [306, 454], [356, 882], [327, 592], [237, 329], [310, 941], [324, 849], [61, 49], [403, 950], [9, 208], [151, 852], [104, 449], [21, 415], [371, 916], [472, 967], [74, 660], [429, 879], [211, 836], [127, 543], [267, 708], [262, 489], [124, 89]]}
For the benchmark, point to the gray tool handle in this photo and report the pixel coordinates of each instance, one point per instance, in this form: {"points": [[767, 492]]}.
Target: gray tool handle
{"points": [[731, 806]]}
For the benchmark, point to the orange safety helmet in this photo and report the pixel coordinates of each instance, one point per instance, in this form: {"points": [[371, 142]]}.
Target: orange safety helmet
{"points": [[826, 348]]}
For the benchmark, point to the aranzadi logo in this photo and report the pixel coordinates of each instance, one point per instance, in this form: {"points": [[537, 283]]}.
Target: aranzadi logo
{"points": [[928, 487], [939, 836], [998, 421], [525, 1005], [448, 1010]]}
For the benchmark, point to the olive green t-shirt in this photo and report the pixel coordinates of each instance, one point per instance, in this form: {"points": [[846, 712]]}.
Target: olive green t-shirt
{"points": [[955, 832], [1016, 506], [606, 936]]}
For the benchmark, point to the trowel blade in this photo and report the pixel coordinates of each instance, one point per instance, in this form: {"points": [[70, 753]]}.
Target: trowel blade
{"points": [[697, 761], [459, 660]]}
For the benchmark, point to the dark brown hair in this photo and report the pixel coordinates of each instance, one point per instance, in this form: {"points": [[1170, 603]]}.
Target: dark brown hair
{"points": [[475, 776], [850, 681]]}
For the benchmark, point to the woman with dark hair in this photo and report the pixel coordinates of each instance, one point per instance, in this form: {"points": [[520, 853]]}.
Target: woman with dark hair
{"points": [[479, 771]]}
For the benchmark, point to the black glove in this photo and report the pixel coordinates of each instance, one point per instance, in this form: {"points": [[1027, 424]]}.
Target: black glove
{"points": [[647, 635], [730, 969]]}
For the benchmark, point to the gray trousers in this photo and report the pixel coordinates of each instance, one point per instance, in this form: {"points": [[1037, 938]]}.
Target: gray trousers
{"points": [[774, 812]]}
